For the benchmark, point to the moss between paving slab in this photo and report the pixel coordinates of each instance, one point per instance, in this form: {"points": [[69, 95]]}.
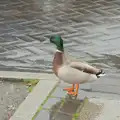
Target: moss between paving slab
{"points": [[77, 114], [30, 83], [41, 106]]}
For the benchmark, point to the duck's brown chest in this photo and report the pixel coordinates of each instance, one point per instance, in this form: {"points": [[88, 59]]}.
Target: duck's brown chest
{"points": [[57, 62]]}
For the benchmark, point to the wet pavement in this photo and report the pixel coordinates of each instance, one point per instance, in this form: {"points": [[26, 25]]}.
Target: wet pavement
{"points": [[12, 94], [90, 29], [60, 106]]}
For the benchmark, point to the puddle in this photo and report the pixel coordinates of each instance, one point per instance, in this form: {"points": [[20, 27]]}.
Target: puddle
{"points": [[90, 111], [66, 109]]}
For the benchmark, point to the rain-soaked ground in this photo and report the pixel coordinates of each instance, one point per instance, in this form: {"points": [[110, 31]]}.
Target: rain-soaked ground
{"points": [[12, 95], [90, 29], [86, 106]]}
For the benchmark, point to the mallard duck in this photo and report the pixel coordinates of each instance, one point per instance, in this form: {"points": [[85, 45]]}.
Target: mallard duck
{"points": [[75, 73]]}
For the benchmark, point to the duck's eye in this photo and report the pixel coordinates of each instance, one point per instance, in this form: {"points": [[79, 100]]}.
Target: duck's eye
{"points": [[51, 39]]}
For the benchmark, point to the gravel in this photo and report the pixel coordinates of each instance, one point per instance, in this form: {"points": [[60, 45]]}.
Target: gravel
{"points": [[12, 94]]}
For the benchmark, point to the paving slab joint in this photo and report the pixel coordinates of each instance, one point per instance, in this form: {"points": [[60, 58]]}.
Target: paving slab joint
{"points": [[79, 109], [40, 107], [36, 99], [11, 79]]}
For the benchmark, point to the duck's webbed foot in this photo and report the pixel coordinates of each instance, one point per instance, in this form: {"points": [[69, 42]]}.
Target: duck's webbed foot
{"points": [[74, 93], [69, 89]]}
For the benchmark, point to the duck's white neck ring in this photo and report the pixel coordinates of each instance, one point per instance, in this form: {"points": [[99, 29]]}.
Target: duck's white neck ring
{"points": [[58, 51]]}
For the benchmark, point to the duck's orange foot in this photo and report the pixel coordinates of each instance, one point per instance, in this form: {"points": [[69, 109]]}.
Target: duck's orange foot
{"points": [[69, 89], [72, 93]]}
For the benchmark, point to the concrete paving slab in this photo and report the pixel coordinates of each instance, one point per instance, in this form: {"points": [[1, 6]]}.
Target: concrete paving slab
{"points": [[29, 107], [27, 75], [90, 30], [87, 106], [100, 109]]}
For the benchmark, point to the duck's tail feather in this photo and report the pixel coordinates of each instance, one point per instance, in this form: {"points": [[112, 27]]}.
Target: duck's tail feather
{"points": [[100, 74]]}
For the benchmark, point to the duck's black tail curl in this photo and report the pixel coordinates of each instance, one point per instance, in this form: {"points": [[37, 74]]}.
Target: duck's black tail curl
{"points": [[101, 73]]}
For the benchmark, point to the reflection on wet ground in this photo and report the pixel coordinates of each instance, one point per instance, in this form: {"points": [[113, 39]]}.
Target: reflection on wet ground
{"points": [[66, 107]]}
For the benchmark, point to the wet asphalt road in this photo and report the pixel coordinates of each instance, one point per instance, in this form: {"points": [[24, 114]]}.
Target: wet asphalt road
{"points": [[90, 29]]}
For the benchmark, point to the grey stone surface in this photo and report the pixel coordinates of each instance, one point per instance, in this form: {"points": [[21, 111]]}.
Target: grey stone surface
{"points": [[62, 116], [59, 93], [51, 102], [12, 94], [82, 108], [47, 115], [31, 104], [70, 106], [90, 30], [44, 115], [100, 110], [26, 75]]}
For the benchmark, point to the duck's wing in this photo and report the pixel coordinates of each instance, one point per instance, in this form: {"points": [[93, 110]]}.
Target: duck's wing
{"points": [[85, 68]]}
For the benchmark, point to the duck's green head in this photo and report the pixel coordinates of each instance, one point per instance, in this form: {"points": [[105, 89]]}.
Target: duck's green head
{"points": [[57, 40]]}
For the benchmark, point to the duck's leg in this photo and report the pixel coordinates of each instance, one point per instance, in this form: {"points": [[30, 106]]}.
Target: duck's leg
{"points": [[70, 89], [75, 93]]}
